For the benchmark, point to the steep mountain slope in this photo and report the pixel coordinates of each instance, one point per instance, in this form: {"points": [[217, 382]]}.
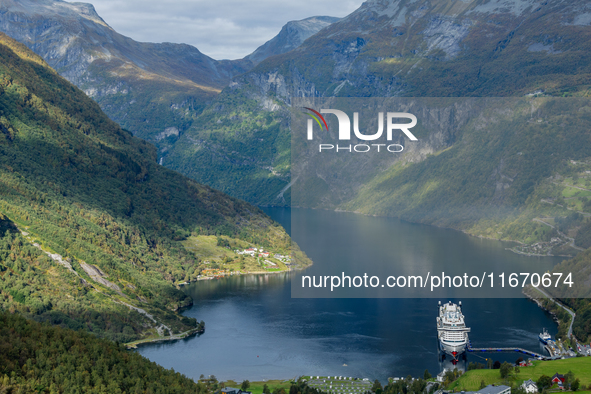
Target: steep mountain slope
{"points": [[397, 48], [145, 87], [39, 358], [291, 36], [91, 224]]}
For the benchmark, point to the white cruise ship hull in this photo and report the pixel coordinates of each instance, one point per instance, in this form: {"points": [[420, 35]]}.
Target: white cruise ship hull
{"points": [[453, 350]]}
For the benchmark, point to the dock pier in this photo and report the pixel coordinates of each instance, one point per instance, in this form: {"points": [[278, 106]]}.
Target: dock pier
{"points": [[469, 348]]}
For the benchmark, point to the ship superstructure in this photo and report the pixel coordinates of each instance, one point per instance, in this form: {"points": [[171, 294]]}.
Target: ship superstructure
{"points": [[451, 329]]}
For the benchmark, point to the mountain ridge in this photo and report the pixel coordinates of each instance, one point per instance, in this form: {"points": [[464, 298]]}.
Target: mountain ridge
{"points": [[145, 87]]}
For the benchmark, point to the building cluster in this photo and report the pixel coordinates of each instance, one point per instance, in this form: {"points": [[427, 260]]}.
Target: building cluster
{"points": [[525, 363], [529, 386], [254, 252], [585, 350], [213, 273], [260, 252]]}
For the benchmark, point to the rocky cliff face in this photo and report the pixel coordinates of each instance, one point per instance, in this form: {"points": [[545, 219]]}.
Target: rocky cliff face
{"points": [[72, 36], [291, 36]]}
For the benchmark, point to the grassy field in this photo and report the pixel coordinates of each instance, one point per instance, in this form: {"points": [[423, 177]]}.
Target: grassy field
{"points": [[213, 256], [257, 387], [580, 366]]}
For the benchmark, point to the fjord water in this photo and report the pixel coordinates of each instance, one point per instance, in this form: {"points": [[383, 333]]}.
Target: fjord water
{"points": [[256, 331]]}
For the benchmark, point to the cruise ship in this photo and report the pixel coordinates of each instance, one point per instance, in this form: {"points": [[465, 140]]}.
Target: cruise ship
{"points": [[451, 329]]}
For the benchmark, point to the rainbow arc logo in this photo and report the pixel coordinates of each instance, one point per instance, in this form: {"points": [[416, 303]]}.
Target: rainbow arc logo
{"points": [[316, 118]]}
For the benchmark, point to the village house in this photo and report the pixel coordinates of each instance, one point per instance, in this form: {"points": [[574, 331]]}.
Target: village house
{"points": [[559, 380], [530, 386], [249, 251], [231, 390]]}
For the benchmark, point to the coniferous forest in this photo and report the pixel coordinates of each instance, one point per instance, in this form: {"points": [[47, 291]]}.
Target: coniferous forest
{"points": [[40, 358]]}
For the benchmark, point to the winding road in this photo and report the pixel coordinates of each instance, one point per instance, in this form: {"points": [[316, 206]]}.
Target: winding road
{"points": [[572, 320]]}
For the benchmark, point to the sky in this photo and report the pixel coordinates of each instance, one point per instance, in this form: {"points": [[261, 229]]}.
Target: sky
{"points": [[222, 29]]}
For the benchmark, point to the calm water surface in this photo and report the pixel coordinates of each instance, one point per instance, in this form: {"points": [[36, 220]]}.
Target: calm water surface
{"points": [[255, 330]]}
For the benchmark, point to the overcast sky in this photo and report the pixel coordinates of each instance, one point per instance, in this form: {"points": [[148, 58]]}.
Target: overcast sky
{"points": [[222, 29]]}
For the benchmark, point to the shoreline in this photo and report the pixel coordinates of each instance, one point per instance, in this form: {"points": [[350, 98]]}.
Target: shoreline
{"points": [[240, 274], [554, 316], [182, 335]]}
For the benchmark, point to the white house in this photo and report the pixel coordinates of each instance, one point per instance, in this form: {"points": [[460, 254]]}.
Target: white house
{"points": [[530, 386], [250, 251]]}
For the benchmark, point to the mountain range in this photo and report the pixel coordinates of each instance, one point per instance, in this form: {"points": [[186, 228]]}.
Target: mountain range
{"points": [[153, 90]]}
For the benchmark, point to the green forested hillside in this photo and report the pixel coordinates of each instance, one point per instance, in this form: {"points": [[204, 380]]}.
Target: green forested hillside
{"points": [[245, 151], [37, 358], [576, 296], [510, 178], [79, 187]]}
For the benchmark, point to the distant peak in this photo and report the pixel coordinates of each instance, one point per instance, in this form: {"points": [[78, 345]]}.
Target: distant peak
{"points": [[59, 8], [291, 36]]}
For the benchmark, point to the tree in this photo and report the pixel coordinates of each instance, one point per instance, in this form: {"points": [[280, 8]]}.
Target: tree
{"points": [[569, 377], [426, 375], [376, 386], [266, 389], [245, 385], [482, 384], [418, 386], [505, 369], [575, 385], [520, 359], [489, 363], [544, 382]]}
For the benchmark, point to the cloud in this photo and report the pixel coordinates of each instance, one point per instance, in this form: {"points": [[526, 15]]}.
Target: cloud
{"points": [[225, 29]]}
